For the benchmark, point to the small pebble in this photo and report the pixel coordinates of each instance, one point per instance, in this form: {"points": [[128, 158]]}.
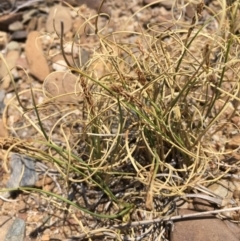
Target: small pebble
{"points": [[45, 237], [13, 45], [16, 26], [19, 35], [29, 176], [60, 65]]}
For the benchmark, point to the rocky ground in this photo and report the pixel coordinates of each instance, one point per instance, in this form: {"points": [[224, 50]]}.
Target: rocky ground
{"points": [[29, 45]]}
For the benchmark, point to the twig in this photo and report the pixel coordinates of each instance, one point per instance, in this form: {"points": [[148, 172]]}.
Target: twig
{"points": [[179, 217], [7, 200], [28, 3]]}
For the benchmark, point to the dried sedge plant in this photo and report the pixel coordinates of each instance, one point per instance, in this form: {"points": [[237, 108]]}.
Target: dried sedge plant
{"points": [[139, 134]]}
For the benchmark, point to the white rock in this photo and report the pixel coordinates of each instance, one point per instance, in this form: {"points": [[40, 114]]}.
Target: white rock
{"points": [[13, 45], [60, 65], [68, 49], [16, 26]]}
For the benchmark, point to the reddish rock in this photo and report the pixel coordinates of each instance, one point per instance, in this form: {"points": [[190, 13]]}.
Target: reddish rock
{"points": [[207, 228], [3, 130], [37, 62]]}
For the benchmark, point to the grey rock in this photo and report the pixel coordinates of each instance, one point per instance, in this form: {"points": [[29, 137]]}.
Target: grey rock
{"points": [[16, 231], [2, 105], [84, 56], [23, 171], [19, 35], [5, 6]]}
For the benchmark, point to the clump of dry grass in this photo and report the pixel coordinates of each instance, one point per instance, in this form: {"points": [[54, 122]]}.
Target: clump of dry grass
{"points": [[144, 128]]}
